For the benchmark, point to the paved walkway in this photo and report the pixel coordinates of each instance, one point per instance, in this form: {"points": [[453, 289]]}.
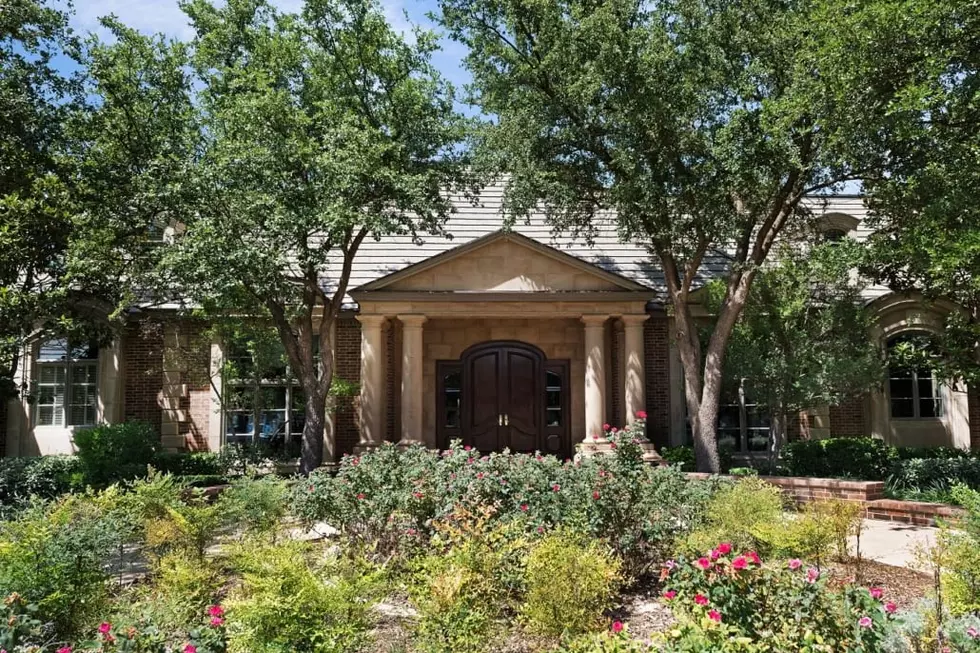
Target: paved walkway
{"points": [[893, 543]]}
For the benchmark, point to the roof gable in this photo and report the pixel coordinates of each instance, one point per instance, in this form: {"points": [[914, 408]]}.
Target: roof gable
{"points": [[503, 261]]}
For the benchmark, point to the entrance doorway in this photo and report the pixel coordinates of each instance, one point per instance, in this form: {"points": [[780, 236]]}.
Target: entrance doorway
{"points": [[504, 395]]}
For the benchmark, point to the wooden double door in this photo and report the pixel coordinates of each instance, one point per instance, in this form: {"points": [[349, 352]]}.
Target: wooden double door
{"points": [[509, 397]]}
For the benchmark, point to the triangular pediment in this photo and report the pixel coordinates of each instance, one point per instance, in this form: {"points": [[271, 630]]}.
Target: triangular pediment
{"points": [[504, 262]]}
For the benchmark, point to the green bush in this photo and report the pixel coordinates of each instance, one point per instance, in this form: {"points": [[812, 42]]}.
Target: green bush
{"points": [[935, 475], [466, 584], [868, 459], [120, 452], [742, 514], [386, 501], [55, 556], [681, 455], [289, 600], [589, 578], [254, 505], [194, 463], [45, 477], [905, 453]]}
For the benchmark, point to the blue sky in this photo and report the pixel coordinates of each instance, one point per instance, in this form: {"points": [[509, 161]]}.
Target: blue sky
{"points": [[165, 16]]}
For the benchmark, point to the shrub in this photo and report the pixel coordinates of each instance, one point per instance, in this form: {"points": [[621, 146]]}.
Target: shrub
{"points": [[20, 629], [615, 640], [906, 453], [867, 459], [195, 463], [111, 453], [254, 505], [55, 556], [934, 474], [742, 514], [681, 455], [290, 601], [381, 497], [590, 577], [45, 477], [182, 588], [722, 598]]}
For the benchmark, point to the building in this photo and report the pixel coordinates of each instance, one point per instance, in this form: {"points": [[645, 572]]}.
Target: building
{"points": [[501, 337]]}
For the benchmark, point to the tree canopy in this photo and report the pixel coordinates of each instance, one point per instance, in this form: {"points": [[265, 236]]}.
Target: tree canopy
{"points": [[702, 123]]}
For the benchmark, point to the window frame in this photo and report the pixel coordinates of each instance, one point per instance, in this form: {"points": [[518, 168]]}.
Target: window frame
{"points": [[68, 365], [937, 398], [287, 382], [444, 433]]}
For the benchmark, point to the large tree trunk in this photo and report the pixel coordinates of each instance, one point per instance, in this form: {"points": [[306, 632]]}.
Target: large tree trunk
{"points": [[313, 432]]}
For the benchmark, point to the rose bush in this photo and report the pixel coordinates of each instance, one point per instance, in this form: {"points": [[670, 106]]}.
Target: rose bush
{"points": [[387, 500], [727, 596]]}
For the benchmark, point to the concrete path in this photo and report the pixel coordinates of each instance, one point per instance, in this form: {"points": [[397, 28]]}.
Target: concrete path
{"points": [[893, 543]]}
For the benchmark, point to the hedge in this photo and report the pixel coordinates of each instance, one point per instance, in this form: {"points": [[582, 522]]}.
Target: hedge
{"points": [[868, 459]]}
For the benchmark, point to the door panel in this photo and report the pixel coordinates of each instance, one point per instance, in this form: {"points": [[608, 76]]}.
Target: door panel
{"points": [[483, 373], [522, 405]]}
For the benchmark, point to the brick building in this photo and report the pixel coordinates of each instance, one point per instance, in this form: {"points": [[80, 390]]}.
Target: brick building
{"points": [[503, 337]]}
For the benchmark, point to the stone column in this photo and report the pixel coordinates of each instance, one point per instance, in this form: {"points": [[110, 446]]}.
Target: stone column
{"points": [[595, 379], [634, 396], [372, 408], [411, 397]]}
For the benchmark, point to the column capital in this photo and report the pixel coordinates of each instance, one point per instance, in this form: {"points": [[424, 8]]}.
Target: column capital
{"points": [[634, 319], [594, 321], [371, 320], [412, 321]]}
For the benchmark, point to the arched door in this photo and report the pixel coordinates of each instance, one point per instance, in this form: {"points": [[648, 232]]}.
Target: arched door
{"points": [[503, 397]]}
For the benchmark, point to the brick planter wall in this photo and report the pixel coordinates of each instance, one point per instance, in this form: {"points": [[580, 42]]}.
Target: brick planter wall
{"points": [[870, 493]]}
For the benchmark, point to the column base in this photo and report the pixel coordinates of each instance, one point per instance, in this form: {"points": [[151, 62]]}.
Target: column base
{"points": [[603, 446]]}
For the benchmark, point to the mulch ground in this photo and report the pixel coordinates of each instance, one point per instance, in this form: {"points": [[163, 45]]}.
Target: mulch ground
{"points": [[904, 586]]}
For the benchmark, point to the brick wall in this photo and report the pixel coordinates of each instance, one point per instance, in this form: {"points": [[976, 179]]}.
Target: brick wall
{"points": [[974, 417], [347, 359], [143, 369], [848, 419], [656, 347]]}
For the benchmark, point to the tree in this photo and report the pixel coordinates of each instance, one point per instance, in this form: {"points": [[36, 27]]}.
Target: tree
{"points": [[804, 337], [34, 101], [926, 212], [703, 124], [312, 132]]}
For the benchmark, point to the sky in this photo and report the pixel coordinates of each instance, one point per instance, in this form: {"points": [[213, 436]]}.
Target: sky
{"points": [[164, 16]]}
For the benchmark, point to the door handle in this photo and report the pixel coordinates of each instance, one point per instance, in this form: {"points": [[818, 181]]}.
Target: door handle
{"points": [[500, 420], [506, 420]]}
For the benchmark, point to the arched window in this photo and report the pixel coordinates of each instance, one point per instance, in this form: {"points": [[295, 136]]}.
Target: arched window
{"points": [[913, 389], [67, 383], [834, 235]]}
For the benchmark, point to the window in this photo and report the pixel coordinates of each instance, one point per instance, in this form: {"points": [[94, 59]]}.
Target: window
{"points": [[743, 425], [67, 383], [553, 402], [913, 390], [261, 405]]}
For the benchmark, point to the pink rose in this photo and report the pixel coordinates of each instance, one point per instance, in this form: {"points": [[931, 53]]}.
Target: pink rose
{"points": [[714, 554], [973, 632], [606, 427], [795, 564], [812, 574], [754, 557], [360, 496], [555, 487], [617, 627], [670, 594], [217, 621], [890, 607], [641, 414], [724, 548], [865, 622], [64, 649], [701, 599], [523, 507], [715, 616], [105, 627], [704, 563], [595, 495], [876, 592], [216, 611], [739, 562], [190, 648]]}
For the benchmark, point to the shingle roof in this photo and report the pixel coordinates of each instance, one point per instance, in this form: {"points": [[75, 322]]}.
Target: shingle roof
{"points": [[377, 259]]}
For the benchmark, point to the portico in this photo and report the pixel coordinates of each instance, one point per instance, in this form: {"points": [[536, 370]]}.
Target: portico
{"points": [[510, 342]]}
